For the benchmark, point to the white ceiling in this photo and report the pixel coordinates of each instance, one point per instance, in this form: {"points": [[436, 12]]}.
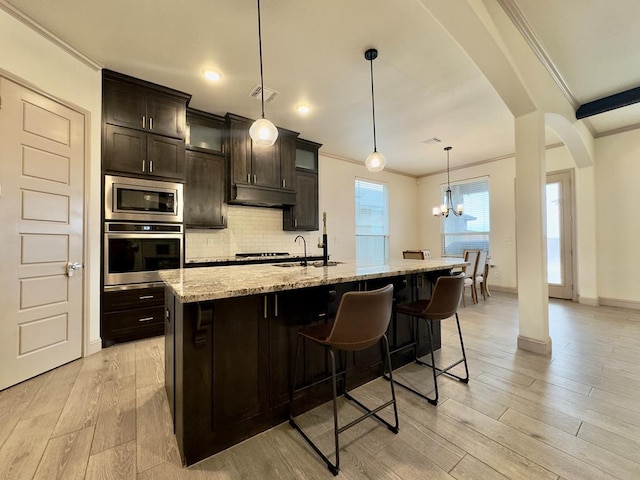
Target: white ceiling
{"points": [[425, 85]]}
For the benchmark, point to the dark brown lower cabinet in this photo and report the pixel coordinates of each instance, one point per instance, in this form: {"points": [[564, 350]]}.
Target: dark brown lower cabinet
{"points": [[229, 362], [132, 314]]}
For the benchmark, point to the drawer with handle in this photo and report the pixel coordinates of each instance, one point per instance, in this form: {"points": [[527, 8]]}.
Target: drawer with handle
{"points": [[136, 298], [132, 321]]}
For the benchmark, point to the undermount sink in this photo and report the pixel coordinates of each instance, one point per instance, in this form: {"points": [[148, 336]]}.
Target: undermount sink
{"points": [[299, 264]]}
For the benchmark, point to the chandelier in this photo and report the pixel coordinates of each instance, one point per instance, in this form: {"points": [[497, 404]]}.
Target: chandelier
{"points": [[447, 207]]}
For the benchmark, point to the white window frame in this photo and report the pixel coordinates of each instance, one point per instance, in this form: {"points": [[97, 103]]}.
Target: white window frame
{"points": [[380, 229], [475, 239]]}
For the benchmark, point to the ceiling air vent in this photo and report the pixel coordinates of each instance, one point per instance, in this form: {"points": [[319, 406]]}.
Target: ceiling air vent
{"points": [[269, 95], [431, 141]]}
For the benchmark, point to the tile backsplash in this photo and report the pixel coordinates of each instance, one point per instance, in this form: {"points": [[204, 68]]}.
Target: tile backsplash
{"points": [[249, 229]]}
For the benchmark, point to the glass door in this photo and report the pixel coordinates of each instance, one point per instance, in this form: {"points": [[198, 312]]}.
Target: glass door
{"points": [[559, 238]]}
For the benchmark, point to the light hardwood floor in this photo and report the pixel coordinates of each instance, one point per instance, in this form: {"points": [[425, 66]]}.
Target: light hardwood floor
{"points": [[574, 415]]}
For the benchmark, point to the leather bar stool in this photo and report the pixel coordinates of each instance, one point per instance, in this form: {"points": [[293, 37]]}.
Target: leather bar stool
{"points": [[442, 305], [360, 322]]}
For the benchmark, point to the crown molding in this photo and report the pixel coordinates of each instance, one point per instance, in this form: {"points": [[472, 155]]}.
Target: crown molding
{"points": [[526, 30], [53, 38]]}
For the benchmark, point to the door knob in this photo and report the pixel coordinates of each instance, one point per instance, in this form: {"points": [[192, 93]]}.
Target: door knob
{"points": [[72, 267]]}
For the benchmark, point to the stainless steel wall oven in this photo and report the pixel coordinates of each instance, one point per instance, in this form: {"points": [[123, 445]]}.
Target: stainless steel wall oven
{"points": [[135, 252]]}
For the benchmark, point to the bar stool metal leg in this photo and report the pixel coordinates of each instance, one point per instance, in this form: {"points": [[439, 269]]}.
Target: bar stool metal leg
{"points": [[335, 467]]}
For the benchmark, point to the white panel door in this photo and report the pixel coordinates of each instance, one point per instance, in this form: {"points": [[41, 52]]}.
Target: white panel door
{"points": [[41, 212]]}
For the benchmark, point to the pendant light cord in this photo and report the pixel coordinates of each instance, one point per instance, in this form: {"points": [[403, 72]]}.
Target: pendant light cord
{"points": [[373, 108], [260, 44], [448, 182]]}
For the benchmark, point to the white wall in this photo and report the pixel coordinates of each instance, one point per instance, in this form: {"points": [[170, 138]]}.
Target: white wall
{"points": [[27, 56], [607, 257], [337, 198], [617, 180]]}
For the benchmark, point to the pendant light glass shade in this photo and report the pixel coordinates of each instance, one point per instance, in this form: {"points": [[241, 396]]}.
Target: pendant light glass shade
{"points": [[375, 162], [263, 132]]}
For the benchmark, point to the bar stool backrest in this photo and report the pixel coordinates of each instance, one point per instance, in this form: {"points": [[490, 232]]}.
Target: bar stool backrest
{"points": [[445, 297], [362, 319]]}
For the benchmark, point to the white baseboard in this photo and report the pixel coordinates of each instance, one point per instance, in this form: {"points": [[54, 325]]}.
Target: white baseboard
{"points": [[535, 346], [615, 302], [497, 288], [590, 301], [94, 347]]}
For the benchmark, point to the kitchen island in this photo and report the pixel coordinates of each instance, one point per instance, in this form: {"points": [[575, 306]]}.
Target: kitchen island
{"points": [[230, 336]]}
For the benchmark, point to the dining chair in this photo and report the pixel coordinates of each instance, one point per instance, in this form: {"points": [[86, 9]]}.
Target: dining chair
{"points": [[479, 278], [471, 272], [413, 254]]}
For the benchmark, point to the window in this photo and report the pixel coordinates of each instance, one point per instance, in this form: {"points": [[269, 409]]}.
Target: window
{"points": [[470, 231], [372, 222]]}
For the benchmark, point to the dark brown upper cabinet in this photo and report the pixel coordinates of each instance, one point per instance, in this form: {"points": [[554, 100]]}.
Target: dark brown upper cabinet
{"points": [[144, 127], [205, 173], [204, 205], [133, 152], [133, 103], [205, 132], [262, 176], [303, 216]]}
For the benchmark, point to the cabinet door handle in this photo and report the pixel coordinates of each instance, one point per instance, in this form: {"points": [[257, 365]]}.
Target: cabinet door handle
{"points": [[265, 307], [150, 166], [248, 178], [255, 178], [144, 122], [284, 183], [145, 297], [143, 162], [150, 123], [222, 219], [276, 306], [295, 222], [145, 319]]}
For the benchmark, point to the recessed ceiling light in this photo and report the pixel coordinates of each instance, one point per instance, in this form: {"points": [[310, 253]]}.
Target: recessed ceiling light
{"points": [[303, 109], [211, 75]]}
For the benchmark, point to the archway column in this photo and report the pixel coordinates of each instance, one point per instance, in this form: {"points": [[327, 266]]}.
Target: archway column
{"points": [[533, 296]]}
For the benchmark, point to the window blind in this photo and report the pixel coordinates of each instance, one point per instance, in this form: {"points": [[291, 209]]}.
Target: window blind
{"points": [[372, 221], [470, 231]]}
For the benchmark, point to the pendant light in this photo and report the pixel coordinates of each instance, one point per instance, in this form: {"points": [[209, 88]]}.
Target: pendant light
{"points": [[375, 162], [447, 207], [262, 132]]}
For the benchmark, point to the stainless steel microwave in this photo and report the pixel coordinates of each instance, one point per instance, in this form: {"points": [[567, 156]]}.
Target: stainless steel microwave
{"points": [[142, 200]]}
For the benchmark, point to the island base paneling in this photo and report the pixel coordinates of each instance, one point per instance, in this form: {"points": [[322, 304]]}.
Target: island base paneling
{"points": [[229, 361]]}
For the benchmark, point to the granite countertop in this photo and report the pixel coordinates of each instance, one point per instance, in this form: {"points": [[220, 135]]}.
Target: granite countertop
{"points": [[211, 283]]}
